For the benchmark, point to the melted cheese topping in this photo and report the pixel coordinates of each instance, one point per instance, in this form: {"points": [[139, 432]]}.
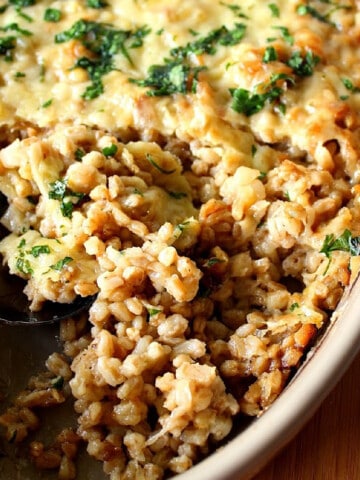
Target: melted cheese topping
{"points": [[49, 77]]}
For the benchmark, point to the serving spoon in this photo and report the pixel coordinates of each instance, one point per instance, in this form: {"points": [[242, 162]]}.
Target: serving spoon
{"points": [[14, 304]]}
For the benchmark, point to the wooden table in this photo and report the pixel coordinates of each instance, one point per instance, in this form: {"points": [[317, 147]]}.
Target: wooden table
{"points": [[328, 447]]}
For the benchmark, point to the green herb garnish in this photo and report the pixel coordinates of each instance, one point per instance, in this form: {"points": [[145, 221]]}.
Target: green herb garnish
{"points": [[47, 103], [39, 249], [153, 311], [14, 27], [294, 306], [212, 261], [275, 11], [346, 243], [270, 55], [306, 9], [207, 44], [22, 3], [23, 15], [24, 266], [303, 65], [61, 263], [236, 9], [348, 84], [249, 103], [79, 153], [288, 38], [52, 15], [110, 151], [158, 167], [103, 42], [172, 77], [180, 228], [194, 33], [177, 75], [68, 198], [96, 3]]}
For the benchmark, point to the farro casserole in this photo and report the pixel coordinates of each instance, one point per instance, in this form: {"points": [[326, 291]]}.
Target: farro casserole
{"points": [[194, 165]]}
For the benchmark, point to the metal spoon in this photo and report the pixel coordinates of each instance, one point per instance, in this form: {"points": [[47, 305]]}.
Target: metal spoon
{"points": [[14, 304]]}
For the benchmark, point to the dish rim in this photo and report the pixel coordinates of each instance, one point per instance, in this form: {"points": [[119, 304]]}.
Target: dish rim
{"points": [[246, 454]]}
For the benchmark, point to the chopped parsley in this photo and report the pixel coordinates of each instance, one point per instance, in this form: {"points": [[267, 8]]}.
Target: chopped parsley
{"points": [[96, 3], [47, 103], [172, 77], [348, 84], [303, 65], [19, 75], [39, 249], [52, 15], [345, 242], [61, 263], [270, 55], [68, 198], [236, 9], [176, 74], [294, 306], [324, 17], [274, 9], [22, 3], [212, 261], [79, 153], [207, 44], [7, 45], [151, 160], [23, 15], [288, 38], [110, 151], [193, 32], [180, 228], [103, 41], [153, 311], [249, 103], [14, 27], [24, 266]]}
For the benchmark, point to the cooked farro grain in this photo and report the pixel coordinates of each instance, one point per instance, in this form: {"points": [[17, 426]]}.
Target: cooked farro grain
{"points": [[214, 214]]}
